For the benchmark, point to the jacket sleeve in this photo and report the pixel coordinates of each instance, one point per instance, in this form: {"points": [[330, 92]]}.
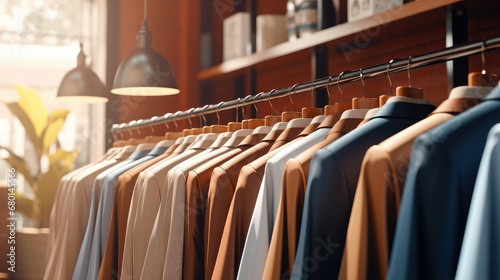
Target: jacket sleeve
{"points": [[480, 249], [327, 206], [432, 215], [373, 219]]}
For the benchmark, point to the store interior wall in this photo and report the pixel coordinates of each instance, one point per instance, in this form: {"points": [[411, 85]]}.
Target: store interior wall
{"points": [[176, 29]]}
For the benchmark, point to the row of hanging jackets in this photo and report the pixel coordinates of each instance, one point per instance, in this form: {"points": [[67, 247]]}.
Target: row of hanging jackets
{"points": [[392, 193]]}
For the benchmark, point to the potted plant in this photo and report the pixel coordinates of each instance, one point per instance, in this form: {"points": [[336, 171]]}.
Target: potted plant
{"points": [[43, 176]]}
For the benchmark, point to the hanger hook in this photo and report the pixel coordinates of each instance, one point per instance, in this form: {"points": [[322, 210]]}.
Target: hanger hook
{"points": [[243, 108], [362, 80], [409, 74], [389, 74], [175, 121], [237, 109], [269, 100], [328, 89], [137, 128], [312, 91], [338, 85], [218, 117], [130, 127], [190, 111], [255, 106], [113, 132], [290, 95], [151, 125], [121, 127], [483, 60], [203, 114], [166, 116]]}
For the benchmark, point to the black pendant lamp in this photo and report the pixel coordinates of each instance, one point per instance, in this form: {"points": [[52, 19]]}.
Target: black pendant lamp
{"points": [[145, 72], [81, 84]]}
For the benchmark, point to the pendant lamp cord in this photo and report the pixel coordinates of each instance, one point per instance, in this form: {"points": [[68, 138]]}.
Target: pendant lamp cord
{"points": [[145, 9]]}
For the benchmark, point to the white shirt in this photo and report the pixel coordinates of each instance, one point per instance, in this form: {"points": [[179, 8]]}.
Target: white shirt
{"points": [[259, 234]]}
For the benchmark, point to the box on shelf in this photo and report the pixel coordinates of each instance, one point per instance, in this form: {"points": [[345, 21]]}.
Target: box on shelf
{"points": [[237, 36], [271, 30], [358, 9]]}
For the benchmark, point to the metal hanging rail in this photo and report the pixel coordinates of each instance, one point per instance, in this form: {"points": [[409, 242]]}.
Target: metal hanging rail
{"points": [[398, 65]]}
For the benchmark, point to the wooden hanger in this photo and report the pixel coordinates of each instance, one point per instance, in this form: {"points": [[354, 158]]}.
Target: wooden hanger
{"points": [[339, 107], [186, 132], [218, 128], [482, 78], [311, 112], [196, 131], [173, 135], [233, 126], [363, 102], [119, 143], [251, 123], [290, 115], [382, 99], [272, 119]]}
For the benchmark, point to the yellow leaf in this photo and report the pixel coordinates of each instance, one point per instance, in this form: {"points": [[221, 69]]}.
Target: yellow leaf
{"points": [[57, 114], [54, 125], [47, 186], [27, 124], [26, 206], [20, 165], [30, 102], [63, 157]]}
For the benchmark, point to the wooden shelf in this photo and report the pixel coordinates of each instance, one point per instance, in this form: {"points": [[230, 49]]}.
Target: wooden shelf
{"points": [[324, 36]]}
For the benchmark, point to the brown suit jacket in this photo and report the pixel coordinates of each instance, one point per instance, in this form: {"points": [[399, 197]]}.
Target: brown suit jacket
{"points": [[376, 203], [220, 194], [287, 226], [197, 186], [240, 212], [112, 259]]}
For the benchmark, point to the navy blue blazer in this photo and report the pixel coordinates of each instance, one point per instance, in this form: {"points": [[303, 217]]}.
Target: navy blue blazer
{"points": [[437, 194], [333, 177]]}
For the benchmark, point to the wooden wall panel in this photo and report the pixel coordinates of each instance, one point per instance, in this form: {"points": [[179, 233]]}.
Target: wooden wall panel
{"points": [[175, 28]]}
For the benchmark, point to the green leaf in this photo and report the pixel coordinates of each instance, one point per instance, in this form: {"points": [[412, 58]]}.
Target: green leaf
{"points": [[27, 124], [54, 124], [30, 102], [20, 165]]}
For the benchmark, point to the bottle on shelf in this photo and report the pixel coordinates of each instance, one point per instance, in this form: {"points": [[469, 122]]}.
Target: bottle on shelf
{"points": [[306, 16], [291, 25]]}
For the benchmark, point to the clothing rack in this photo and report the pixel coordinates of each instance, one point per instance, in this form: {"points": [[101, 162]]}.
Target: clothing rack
{"points": [[395, 66]]}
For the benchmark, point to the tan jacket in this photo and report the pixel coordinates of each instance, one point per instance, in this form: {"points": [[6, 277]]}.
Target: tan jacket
{"points": [[287, 226], [376, 203], [220, 194], [196, 194], [241, 209]]}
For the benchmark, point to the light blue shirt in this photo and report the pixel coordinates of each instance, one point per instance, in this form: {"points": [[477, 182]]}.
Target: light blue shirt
{"points": [[480, 254], [86, 263]]}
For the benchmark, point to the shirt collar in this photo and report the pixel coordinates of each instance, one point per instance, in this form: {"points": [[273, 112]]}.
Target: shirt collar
{"points": [[494, 94], [456, 105], [139, 154], [345, 125], [404, 110], [157, 151]]}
